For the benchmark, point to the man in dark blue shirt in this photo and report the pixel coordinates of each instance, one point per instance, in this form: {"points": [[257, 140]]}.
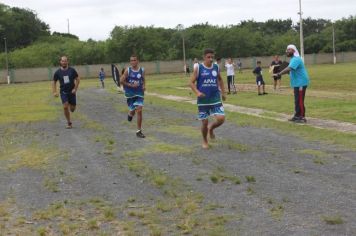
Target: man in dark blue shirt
{"points": [[69, 81], [259, 79]]}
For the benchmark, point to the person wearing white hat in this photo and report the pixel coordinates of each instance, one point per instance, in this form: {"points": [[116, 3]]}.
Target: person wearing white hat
{"points": [[299, 81]]}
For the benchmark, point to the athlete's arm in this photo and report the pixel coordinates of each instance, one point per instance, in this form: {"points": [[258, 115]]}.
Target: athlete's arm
{"points": [[123, 80], [54, 88], [193, 79], [76, 84], [222, 88], [285, 71], [144, 81]]}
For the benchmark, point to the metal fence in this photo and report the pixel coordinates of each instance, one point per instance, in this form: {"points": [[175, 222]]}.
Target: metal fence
{"points": [[158, 67]]}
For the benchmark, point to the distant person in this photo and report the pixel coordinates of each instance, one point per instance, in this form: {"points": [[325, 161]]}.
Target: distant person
{"points": [[218, 61], [239, 65], [134, 83], [259, 79], [205, 83], [102, 77], [299, 81], [186, 69], [69, 82], [195, 63], [230, 73], [276, 68]]}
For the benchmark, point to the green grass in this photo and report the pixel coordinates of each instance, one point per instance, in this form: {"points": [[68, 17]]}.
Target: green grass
{"points": [[28, 102], [333, 220], [306, 132], [336, 82]]}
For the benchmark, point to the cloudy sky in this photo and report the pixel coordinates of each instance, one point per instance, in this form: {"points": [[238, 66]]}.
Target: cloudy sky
{"points": [[96, 18]]}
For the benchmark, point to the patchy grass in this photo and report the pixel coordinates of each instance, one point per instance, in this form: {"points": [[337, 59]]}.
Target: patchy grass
{"points": [[232, 145], [250, 179], [333, 220], [51, 184], [220, 175], [32, 156], [277, 211], [181, 130], [88, 123], [320, 157]]}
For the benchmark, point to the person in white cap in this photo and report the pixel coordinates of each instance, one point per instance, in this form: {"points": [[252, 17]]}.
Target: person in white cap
{"points": [[299, 81]]}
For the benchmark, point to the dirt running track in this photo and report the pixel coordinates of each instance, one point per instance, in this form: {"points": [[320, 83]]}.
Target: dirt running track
{"points": [[99, 179]]}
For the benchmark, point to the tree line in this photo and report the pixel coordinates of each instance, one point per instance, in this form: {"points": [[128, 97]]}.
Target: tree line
{"points": [[31, 43]]}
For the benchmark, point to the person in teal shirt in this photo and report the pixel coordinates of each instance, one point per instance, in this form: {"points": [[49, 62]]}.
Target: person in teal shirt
{"points": [[299, 81]]}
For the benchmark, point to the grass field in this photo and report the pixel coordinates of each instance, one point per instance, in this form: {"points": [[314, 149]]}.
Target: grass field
{"points": [[99, 179], [331, 94]]}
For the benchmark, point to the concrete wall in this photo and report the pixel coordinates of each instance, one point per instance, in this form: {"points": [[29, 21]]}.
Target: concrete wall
{"points": [[90, 71]]}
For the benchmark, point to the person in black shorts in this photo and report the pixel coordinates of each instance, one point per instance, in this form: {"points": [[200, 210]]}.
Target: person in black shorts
{"points": [[69, 81], [259, 79], [276, 68]]}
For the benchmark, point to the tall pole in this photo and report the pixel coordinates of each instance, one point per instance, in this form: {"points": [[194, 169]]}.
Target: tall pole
{"points": [[301, 30], [183, 49], [180, 27], [7, 63], [68, 26], [334, 51]]}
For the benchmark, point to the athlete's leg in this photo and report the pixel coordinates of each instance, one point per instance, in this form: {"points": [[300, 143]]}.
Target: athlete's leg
{"points": [[66, 112], [229, 84], [219, 120], [204, 132], [72, 102], [139, 117], [72, 107]]}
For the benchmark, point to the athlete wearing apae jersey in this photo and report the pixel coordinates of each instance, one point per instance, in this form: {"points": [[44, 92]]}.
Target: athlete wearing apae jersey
{"points": [[133, 81], [208, 86]]}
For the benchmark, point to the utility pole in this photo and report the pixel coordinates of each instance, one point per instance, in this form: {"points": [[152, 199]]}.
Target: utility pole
{"points": [[334, 51], [7, 63], [180, 27], [301, 30], [68, 26]]}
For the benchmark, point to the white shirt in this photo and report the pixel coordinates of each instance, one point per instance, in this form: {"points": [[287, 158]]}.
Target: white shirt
{"points": [[229, 69]]}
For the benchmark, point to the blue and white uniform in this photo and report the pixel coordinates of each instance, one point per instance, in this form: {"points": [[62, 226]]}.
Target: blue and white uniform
{"points": [[207, 83], [135, 96]]}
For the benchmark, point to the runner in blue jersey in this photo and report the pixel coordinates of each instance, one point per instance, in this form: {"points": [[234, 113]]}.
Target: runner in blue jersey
{"points": [[69, 81], [102, 77], [208, 86], [133, 81]]}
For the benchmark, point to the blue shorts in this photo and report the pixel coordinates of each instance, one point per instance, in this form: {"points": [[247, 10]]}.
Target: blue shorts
{"points": [[213, 110], [260, 81], [68, 97], [134, 102]]}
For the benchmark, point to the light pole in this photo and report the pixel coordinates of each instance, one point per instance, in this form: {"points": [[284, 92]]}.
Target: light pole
{"points": [[181, 28], [301, 30], [68, 26], [334, 51], [7, 63]]}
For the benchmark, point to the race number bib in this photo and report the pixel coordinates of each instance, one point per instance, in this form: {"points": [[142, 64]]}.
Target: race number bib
{"points": [[66, 79]]}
